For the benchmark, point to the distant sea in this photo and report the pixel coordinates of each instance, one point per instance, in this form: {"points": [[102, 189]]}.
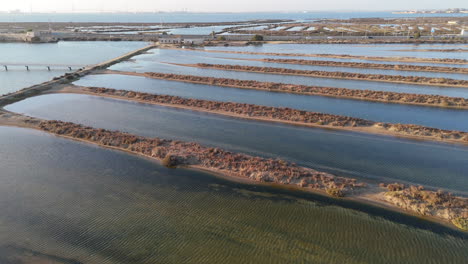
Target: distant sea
{"points": [[195, 17]]}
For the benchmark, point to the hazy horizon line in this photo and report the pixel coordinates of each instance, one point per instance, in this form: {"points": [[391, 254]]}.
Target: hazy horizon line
{"points": [[213, 12]]}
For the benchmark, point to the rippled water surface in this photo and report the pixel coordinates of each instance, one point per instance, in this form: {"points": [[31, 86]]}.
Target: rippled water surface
{"points": [[343, 153], [69, 202], [58, 55]]}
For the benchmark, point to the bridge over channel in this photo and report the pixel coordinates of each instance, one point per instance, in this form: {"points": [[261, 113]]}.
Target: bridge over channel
{"points": [[5, 66]]}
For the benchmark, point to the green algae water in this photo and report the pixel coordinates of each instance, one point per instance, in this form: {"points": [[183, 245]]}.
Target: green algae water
{"points": [[69, 202]]}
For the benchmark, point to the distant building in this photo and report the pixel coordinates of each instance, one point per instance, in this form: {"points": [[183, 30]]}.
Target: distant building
{"points": [[41, 33], [193, 41], [169, 39], [453, 22], [40, 36], [33, 34]]}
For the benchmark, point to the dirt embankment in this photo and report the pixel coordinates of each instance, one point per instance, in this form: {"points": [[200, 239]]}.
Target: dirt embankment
{"points": [[176, 153], [369, 95], [434, 50], [346, 56], [287, 115], [397, 67], [419, 80], [438, 204], [323, 40], [379, 41]]}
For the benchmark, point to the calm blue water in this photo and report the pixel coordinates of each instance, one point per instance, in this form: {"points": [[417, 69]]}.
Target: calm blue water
{"points": [[194, 56], [458, 76], [19, 78], [74, 54], [64, 199], [251, 56], [358, 49], [342, 153], [85, 204], [194, 17], [198, 30], [64, 52], [158, 62], [394, 113]]}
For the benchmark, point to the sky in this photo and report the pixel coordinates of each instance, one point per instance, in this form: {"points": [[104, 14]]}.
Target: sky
{"points": [[222, 5]]}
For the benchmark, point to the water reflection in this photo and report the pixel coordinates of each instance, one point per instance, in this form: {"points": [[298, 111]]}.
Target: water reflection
{"points": [[393, 113], [343, 153], [158, 62], [390, 50], [58, 55]]}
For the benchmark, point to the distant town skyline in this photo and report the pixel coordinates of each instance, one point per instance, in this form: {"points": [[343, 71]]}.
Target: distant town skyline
{"points": [[222, 6]]}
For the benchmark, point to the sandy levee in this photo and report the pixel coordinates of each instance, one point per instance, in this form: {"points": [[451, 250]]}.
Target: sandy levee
{"points": [[437, 206], [416, 80], [354, 94], [345, 56], [364, 65], [279, 114]]}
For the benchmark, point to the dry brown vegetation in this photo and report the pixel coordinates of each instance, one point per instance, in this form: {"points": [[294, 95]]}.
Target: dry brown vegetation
{"points": [[340, 75], [434, 50], [397, 67], [250, 110], [281, 114], [381, 96], [427, 202], [178, 153], [173, 153]]}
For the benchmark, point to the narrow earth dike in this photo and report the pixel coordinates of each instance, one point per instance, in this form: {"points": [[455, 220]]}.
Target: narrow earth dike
{"points": [[369, 95], [284, 115], [177, 153], [396, 67], [346, 56], [419, 80]]}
